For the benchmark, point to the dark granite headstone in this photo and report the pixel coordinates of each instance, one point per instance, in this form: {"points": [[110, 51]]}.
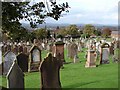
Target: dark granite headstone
{"points": [[50, 76], [22, 60], [15, 77]]}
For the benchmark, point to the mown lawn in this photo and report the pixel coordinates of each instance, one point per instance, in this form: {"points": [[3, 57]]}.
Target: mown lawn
{"points": [[77, 76]]}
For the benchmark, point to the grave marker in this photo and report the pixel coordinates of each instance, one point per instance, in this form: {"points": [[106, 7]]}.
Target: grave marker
{"points": [[104, 54], [15, 77], [50, 76], [22, 60], [9, 57], [35, 58]]}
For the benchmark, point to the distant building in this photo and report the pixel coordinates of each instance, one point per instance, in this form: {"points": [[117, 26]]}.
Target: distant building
{"points": [[115, 34]]}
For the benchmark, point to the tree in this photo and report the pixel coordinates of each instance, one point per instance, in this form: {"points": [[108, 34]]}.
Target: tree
{"points": [[88, 30], [97, 32], [72, 30], [106, 32], [14, 12], [40, 33]]}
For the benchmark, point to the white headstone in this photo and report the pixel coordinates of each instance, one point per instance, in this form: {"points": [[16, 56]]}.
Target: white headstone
{"points": [[36, 55]]}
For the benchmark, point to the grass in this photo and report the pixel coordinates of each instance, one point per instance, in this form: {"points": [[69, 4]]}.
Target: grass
{"points": [[77, 76]]}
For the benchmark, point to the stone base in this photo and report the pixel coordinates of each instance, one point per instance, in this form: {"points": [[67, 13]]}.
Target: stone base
{"points": [[105, 62], [89, 65]]}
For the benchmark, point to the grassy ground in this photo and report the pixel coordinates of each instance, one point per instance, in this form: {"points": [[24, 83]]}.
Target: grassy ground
{"points": [[77, 76]]}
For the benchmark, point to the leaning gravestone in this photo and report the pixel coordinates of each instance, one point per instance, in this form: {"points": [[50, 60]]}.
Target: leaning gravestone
{"points": [[104, 54], [22, 60], [50, 76], [9, 57], [15, 77], [34, 58]]}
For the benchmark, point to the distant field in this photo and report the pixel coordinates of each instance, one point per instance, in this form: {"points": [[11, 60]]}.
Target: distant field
{"points": [[77, 76]]}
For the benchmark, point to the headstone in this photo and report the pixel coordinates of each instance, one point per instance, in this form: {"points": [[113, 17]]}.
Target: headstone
{"points": [[104, 54], [15, 77], [74, 50], [9, 57], [20, 49], [59, 50], [50, 75], [76, 59], [90, 59], [112, 49], [22, 60], [15, 49], [35, 58], [116, 57]]}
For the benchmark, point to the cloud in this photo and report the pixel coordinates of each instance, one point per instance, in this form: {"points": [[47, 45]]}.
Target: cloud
{"points": [[90, 11]]}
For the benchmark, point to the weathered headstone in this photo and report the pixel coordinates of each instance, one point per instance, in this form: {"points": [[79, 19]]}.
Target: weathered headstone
{"points": [[35, 58], [22, 60], [90, 59], [59, 50], [116, 57], [9, 57], [104, 54], [73, 51], [20, 49], [112, 49], [76, 59], [50, 76], [15, 77]]}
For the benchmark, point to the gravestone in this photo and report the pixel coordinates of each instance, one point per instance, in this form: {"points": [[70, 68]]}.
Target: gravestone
{"points": [[112, 49], [90, 59], [59, 50], [104, 54], [68, 49], [79, 47], [15, 49], [9, 57], [35, 58], [20, 49], [50, 75], [73, 51], [76, 59], [22, 60], [116, 57], [15, 77]]}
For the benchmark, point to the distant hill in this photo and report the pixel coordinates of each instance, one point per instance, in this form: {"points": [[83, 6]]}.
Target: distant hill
{"points": [[54, 25]]}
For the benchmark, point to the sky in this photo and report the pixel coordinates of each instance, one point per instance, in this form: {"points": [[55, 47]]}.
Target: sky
{"points": [[89, 12]]}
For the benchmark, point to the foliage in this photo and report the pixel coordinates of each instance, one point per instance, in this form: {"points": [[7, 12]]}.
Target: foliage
{"points": [[40, 33], [72, 30], [14, 12], [88, 30], [106, 32]]}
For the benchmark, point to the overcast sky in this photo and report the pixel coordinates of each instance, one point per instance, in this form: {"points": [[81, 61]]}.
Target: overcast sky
{"points": [[89, 12]]}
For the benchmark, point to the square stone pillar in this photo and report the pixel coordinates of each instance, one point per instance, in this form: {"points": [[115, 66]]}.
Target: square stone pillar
{"points": [[90, 59], [59, 50]]}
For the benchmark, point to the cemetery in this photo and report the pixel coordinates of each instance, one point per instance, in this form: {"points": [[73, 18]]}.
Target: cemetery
{"points": [[61, 67], [36, 55]]}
